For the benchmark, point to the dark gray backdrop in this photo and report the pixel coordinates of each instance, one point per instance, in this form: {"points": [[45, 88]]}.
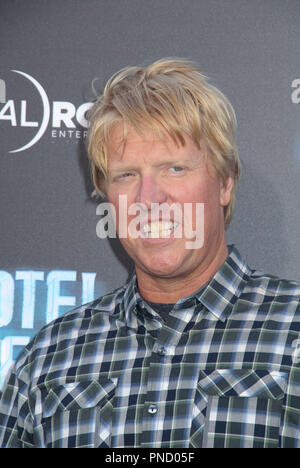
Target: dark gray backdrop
{"points": [[249, 48]]}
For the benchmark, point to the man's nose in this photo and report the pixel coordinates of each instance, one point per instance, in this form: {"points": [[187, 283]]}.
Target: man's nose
{"points": [[150, 191]]}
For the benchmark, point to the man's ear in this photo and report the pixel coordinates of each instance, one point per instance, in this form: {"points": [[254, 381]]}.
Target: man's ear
{"points": [[225, 191]]}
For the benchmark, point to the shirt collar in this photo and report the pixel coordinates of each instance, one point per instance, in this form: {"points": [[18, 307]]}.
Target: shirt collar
{"points": [[226, 286], [219, 295], [130, 303]]}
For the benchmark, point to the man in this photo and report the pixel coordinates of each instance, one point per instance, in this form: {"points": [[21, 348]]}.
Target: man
{"points": [[198, 350]]}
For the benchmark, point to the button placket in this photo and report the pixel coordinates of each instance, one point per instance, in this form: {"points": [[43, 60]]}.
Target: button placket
{"points": [[163, 349]]}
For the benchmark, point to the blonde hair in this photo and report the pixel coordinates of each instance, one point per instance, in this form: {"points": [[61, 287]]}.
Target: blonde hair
{"points": [[170, 94]]}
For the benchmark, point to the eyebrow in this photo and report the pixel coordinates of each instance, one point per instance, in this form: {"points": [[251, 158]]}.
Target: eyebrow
{"points": [[169, 162], [122, 169]]}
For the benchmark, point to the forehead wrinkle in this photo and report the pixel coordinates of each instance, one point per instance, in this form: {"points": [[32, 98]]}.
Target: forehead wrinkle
{"points": [[121, 141], [133, 148], [140, 134]]}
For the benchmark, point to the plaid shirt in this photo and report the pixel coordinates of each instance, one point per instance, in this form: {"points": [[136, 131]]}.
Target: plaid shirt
{"points": [[223, 371]]}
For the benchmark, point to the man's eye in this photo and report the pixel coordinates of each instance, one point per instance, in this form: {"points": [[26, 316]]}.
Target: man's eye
{"points": [[177, 169], [125, 175]]}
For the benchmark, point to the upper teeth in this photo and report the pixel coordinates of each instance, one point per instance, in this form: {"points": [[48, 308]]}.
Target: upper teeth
{"points": [[158, 228]]}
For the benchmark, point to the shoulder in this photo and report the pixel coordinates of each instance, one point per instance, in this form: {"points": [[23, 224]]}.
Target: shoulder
{"points": [[93, 319], [276, 297], [82, 316], [267, 285], [260, 291]]}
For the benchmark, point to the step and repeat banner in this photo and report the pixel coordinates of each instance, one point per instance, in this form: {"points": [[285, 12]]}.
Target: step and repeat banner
{"points": [[54, 56]]}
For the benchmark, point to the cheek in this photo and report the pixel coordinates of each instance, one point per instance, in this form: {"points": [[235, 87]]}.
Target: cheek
{"points": [[126, 194], [209, 194]]}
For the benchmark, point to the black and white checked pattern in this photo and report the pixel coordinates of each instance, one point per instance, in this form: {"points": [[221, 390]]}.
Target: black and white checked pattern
{"points": [[220, 372]]}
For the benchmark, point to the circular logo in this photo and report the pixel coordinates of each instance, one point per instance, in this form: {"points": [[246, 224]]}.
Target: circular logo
{"points": [[46, 112]]}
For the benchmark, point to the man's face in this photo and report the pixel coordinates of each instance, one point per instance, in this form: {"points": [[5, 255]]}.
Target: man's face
{"points": [[148, 170]]}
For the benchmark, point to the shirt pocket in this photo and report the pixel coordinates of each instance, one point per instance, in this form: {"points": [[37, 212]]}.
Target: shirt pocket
{"points": [[78, 414], [238, 408]]}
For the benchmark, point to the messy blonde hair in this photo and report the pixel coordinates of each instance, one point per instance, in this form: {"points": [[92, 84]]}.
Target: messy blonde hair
{"points": [[170, 94]]}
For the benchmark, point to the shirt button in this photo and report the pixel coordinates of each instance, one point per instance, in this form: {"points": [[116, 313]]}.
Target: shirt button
{"points": [[152, 409], [162, 351]]}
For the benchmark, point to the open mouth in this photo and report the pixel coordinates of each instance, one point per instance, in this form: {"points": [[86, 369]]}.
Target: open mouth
{"points": [[158, 229]]}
